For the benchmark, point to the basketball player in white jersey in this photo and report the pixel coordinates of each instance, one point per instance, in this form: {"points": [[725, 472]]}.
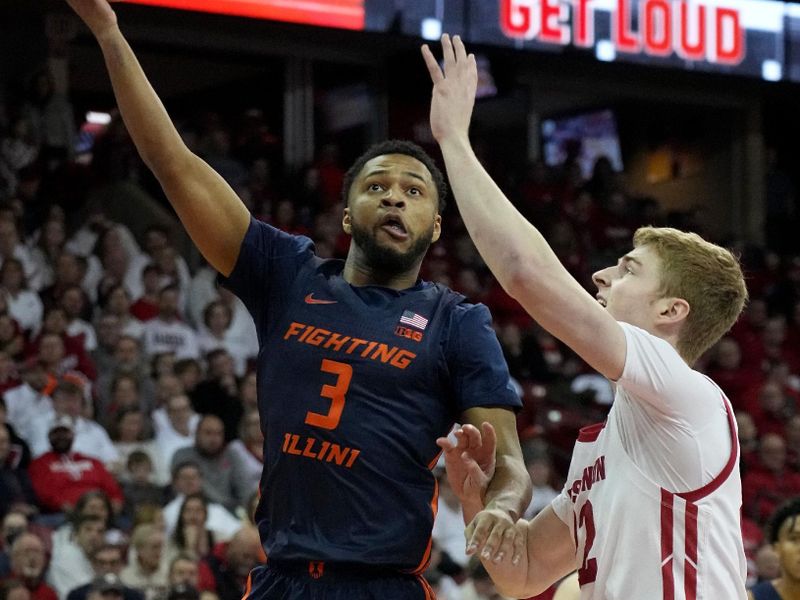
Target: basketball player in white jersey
{"points": [[650, 509]]}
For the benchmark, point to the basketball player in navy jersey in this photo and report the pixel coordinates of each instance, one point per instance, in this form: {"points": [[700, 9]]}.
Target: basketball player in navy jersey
{"points": [[362, 364], [783, 533]]}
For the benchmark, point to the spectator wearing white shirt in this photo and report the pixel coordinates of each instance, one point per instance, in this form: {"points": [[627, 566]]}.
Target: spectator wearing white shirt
{"points": [[11, 246], [242, 330], [71, 566], [90, 438], [249, 448], [540, 469], [173, 266], [175, 425], [167, 333], [46, 250], [187, 480], [23, 304], [118, 303], [74, 302], [30, 401]]}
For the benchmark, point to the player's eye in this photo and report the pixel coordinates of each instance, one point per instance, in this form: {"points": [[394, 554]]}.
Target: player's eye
{"points": [[414, 191], [375, 187]]}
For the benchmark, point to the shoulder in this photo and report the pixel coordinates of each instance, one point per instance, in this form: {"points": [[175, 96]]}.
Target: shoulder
{"points": [[265, 239]]}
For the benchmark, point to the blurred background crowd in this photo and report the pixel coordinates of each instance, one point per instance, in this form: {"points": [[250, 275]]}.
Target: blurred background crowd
{"points": [[130, 450]]}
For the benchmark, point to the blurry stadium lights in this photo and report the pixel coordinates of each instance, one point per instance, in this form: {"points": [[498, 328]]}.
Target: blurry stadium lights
{"points": [[98, 118], [431, 29], [771, 70]]}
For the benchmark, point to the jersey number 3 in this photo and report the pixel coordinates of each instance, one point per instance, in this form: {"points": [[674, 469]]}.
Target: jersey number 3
{"points": [[588, 571], [336, 393]]}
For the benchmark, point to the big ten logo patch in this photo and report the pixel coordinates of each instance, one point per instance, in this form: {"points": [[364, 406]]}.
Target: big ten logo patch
{"points": [[407, 333]]}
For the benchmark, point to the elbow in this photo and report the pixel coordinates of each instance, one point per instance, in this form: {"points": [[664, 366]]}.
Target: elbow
{"points": [[519, 282]]}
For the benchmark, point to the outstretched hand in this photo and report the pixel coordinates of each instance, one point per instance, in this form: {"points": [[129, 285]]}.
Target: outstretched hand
{"points": [[470, 462], [453, 89], [97, 14]]}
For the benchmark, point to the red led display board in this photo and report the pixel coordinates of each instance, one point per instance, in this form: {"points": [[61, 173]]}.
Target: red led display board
{"points": [[343, 14]]}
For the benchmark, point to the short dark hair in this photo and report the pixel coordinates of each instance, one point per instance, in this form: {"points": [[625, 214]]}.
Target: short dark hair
{"points": [[396, 147], [185, 464], [790, 511]]}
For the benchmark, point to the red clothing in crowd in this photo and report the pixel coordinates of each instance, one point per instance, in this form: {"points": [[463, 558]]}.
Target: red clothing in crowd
{"points": [[737, 383], [60, 479], [144, 310], [38, 590], [763, 491]]}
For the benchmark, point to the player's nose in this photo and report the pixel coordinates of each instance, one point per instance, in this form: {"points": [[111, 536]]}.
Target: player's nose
{"points": [[393, 197], [602, 278]]}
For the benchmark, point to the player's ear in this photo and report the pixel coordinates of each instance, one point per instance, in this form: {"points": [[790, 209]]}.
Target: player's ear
{"points": [[673, 310], [346, 224], [437, 228]]}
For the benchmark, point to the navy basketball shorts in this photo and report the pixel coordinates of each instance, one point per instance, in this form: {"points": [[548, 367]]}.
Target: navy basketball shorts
{"points": [[323, 581]]}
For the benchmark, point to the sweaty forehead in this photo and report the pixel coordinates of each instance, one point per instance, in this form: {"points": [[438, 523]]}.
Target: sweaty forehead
{"points": [[397, 164]]}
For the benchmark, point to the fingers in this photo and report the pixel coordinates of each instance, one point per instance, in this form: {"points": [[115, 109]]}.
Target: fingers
{"points": [[472, 436], [477, 532], [433, 66], [445, 444], [458, 48], [519, 546], [495, 539], [448, 53], [474, 470], [489, 435]]}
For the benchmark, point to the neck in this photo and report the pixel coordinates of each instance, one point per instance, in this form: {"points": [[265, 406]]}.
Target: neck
{"points": [[358, 272]]}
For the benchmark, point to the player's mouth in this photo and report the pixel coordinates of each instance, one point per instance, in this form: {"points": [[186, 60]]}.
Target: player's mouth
{"points": [[393, 225], [602, 301]]}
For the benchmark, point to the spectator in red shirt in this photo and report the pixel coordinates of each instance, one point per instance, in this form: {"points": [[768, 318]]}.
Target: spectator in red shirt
{"points": [[28, 562], [772, 410], [792, 437], [748, 440], [747, 331], [60, 477], [146, 307], [226, 569], [766, 487], [727, 370]]}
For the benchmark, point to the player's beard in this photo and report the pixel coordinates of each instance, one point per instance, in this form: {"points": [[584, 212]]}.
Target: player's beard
{"points": [[383, 259]]}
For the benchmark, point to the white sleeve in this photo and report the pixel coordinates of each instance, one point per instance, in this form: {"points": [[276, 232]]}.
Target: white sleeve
{"points": [[657, 376], [672, 420], [562, 506]]}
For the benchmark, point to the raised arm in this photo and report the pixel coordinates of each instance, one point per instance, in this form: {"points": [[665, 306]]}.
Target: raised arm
{"points": [[212, 213], [516, 252]]}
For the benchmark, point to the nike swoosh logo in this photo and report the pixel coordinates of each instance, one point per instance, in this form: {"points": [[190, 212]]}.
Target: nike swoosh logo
{"points": [[311, 300]]}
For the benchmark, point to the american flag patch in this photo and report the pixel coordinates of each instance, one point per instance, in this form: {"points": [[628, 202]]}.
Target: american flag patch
{"points": [[414, 320]]}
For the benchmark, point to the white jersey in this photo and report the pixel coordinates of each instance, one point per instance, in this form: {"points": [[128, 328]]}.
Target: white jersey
{"points": [[653, 496]]}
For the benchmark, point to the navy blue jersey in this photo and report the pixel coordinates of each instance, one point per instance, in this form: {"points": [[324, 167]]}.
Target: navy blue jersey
{"points": [[765, 591], [354, 386]]}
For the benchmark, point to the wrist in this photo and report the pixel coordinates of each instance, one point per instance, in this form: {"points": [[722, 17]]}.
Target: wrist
{"points": [[106, 33], [455, 142], [513, 514]]}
